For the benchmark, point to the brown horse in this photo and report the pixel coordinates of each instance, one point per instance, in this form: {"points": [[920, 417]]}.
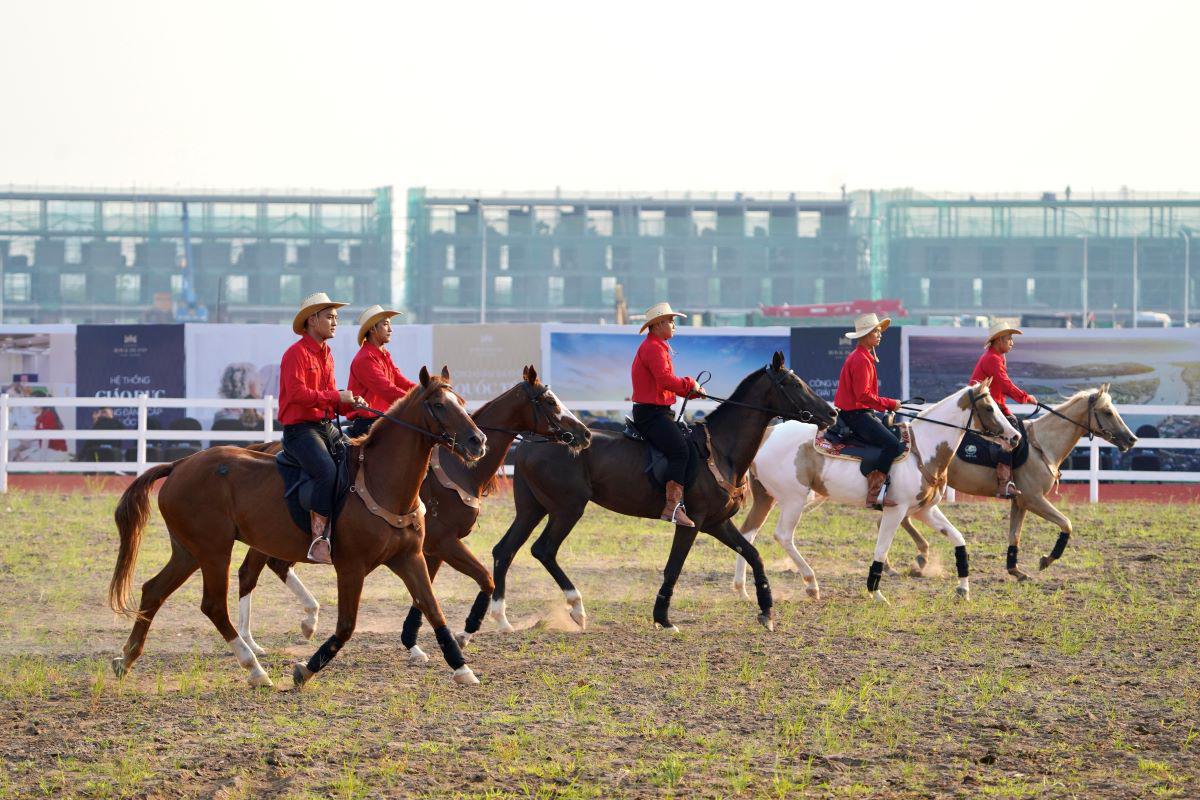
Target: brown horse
{"points": [[1051, 439], [227, 494], [554, 483], [451, 493]]}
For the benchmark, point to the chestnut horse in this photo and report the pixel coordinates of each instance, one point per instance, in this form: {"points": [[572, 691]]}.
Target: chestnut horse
{"points": [[227, 494], [529, 407], [551, 481]]}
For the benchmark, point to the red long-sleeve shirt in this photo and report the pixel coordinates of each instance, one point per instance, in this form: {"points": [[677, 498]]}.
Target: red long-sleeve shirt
{"points": [[858, 384], [307, 390], [375, 378], [654, 379], [994, 365]]}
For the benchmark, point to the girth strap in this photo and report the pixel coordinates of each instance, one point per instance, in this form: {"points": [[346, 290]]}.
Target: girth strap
{"points": [[737, 493], [408, 520], [435, 466]]}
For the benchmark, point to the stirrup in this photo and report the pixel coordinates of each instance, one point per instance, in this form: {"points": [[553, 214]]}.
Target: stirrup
{"points": [[673, 521], [328, 547]]}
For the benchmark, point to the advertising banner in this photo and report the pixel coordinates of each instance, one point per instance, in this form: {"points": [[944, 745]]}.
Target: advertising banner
{"points": [[485, 360], [817, 355], [592, 362], [123, 361], [38, 361], [242, 361]]}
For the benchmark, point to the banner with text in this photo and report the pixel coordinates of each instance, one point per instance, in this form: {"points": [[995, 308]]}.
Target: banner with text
{"points": [[123, 361], [485, 360], [818, 354]]}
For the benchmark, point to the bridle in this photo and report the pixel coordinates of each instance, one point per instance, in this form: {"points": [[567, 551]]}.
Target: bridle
{"points": [[560, 434], [799, 414], [1093, 426], [974, 397], [444, 438]]}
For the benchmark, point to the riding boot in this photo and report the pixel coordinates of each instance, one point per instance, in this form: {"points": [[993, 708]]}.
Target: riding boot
{"points": [[673, 511], [875, 485], [318, 551], [1005, 488]]}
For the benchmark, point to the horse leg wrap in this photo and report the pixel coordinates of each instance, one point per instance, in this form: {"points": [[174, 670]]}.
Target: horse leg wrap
{"points": [[475, 615], [1011, 560], [1060, 545], [324, 654], [873, 576], [661, 604], [960, 561], [449, 646], [763, 592], [412, 623]]}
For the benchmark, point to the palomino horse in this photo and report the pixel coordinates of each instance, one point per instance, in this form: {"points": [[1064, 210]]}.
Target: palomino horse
{"points": [[225, 494], [451, 493], [1051, 440], [788, 467], [551, 481]]}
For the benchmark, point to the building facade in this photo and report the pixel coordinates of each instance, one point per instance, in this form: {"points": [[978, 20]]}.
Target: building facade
{"points": [[112, 256]]}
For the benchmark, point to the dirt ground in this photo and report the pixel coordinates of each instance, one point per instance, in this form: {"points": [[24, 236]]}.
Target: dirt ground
{"points": [[1082, 682]]}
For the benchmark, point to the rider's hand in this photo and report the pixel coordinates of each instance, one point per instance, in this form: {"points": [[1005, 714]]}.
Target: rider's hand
{"points": [[360, 402], [346, 397], [1032, 400], [698, 391]]}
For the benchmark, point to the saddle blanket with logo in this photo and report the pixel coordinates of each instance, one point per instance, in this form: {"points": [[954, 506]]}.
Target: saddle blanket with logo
{"points": [[974, 449], [839, 442]]}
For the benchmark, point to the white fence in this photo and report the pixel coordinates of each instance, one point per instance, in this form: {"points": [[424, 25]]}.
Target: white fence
{"points": [[141, 435]]}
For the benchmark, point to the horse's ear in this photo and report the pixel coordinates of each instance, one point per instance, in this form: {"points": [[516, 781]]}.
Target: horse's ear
{"points": [[777, 360], [424, 376], [986, 383], [445, 371], [1104, 388], [525, 373], [531, 374]]}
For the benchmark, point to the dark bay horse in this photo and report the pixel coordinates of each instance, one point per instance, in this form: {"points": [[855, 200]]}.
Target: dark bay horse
{"points": [[552, 481], [227, 494], [529, 407]]}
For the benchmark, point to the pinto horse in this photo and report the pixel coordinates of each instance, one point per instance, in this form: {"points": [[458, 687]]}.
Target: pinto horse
{"points": [[788, 467], [1051, 439], [227, 494], [552, 481], [452, 504]]}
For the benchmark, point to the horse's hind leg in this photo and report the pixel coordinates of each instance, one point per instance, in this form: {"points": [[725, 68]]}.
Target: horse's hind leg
{"points": [[215, 605], [529, 513], [1046, 510], [154, 593], [312, 609], [412, 623], [785, 534], [350, 577], [920, 541], [727, 534], [412, 570], [248, 572], [761, 508], [545, 550], [1016, 518]]}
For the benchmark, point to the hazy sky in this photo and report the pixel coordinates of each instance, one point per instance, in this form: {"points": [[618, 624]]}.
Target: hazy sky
{"points": [[967, 96]]}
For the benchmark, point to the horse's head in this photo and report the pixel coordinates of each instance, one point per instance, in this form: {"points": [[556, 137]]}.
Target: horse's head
{"points": [[1106, 423], [541, 412], [976, 399], [793, 398], [448, 416]]}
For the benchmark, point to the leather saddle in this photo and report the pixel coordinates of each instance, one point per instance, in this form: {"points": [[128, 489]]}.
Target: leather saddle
{"points": [[656, 463], [298, 486], [974, 449], [838, 441]]}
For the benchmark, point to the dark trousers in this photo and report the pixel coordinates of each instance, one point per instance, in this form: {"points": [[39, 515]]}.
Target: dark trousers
{"points": [[312, 444], [657, 424], [868, 427], [359, 426]]}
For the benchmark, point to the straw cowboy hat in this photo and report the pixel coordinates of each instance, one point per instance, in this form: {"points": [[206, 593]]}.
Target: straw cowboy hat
{"points": [[309, 306], [867, 323], [656, 312], [372, 317], [999, 328]]}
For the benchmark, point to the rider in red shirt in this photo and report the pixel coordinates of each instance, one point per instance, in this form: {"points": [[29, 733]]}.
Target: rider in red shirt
{"points": [[992, 364], [372, 373], [858, 399], [308, 400], [655, 387]]}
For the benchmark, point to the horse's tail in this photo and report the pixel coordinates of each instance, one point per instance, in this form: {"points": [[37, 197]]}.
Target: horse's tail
{"points": [[131, 515]]}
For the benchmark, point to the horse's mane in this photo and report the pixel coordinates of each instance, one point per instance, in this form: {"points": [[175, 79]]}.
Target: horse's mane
{"points": [[738, 393], [415, 395], [1082, 394]]}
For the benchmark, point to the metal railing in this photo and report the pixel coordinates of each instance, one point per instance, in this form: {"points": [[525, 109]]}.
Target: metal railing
{"points": [[142, 435]]}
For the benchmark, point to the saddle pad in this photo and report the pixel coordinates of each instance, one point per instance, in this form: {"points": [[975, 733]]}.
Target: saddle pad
{"points": [[856, 449], [297, 487], [974, 449], [656, 464]]}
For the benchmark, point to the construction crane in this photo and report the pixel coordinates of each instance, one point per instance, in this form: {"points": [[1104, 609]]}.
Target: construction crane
{"points": [[187, 308]]}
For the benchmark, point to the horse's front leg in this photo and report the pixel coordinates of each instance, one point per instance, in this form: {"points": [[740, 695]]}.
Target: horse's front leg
{"points": [[1016, 519], [349, 583], [1044, 509], [888, 523], [680, 547], [934, 517], [412, 570], [727, 534]]}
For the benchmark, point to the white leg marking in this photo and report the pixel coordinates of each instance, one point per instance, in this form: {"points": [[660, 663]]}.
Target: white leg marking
{"points": [[246, 659], [575, 600], [416, 655], [308, 625], [739, 567], [497, 613], [463, 676], [244, 626]]}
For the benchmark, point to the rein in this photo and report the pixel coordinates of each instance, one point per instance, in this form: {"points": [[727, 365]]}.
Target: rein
{"points": [[1091, 432], [445, 437], [799, 415], [561, 434], [975, 398]]}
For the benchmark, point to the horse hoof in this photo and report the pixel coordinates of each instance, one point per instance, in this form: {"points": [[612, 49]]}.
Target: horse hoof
{"points": [[1045, 562], [891, 571], [416, 655], [580, 619], [463, 638], [254, 647], [1019, 574], [921, 561], [963, 593], [668, 628], [878, 597], [308, 627], [301, 674], [259, 677], [118, 667], [740, 589], [463, 676], [504, 626], [814, 592], [767, 621]]}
